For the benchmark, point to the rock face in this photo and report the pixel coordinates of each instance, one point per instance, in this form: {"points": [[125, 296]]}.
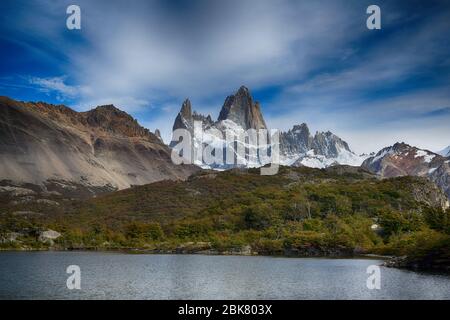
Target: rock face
{"points": [[297, 140], [242, 110], [402, 159], [105, 147], [297, 146], [328, 144]]}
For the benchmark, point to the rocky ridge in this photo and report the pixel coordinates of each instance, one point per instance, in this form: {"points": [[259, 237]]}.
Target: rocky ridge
{"points": [[402, 159], [101, 149]]}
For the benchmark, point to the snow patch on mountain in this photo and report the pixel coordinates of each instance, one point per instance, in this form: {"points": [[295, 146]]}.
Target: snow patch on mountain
{"points": [[428, 157], [431, 170], [313, 160]]}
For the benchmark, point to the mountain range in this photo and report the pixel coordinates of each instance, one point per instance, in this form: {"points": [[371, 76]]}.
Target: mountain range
{"points": [[56, 163], [105, 149], [297, 146]]}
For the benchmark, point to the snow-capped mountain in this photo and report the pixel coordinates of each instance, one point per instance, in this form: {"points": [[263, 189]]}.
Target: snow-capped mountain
{"points": [[324, 149], [402, 159], [240, 112], [445, 152]]}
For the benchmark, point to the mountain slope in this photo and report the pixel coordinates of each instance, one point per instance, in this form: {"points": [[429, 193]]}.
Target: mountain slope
{"points": [[402, 159], [445, 152], [105, 147], [300, 211]]}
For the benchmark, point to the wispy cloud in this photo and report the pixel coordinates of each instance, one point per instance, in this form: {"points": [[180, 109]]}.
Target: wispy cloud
{"points": [[55, 85], [329, 69]]}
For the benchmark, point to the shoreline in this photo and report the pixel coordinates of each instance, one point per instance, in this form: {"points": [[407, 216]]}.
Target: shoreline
{"points": [[137, 251], [388, 261]]}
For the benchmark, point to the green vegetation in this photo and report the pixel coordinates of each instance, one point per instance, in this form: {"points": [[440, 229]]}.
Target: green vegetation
{"points": [[300, 211]]}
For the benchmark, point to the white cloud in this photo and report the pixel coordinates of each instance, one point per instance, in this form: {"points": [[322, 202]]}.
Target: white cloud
{"points": [[207, 49], [204, 52], [55, 85]]}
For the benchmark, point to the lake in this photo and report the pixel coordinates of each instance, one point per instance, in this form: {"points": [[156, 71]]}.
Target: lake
{"points": [[107, 275]]}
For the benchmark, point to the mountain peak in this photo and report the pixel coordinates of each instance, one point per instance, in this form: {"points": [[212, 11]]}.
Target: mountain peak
{"points": [[184, 118], [401, 146], [329, 144], [300, 127], [107, 107], [241, 109], [110, 118], [186, 109], [243, 90], [445, 152]]}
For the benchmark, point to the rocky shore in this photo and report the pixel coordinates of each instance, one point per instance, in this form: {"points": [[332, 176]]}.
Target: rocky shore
{"points": [[432, 262]]}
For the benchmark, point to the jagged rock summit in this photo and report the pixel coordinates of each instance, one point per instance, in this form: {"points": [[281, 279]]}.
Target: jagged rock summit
{"points": [[184, 118], [238, 108], [242, 110]]}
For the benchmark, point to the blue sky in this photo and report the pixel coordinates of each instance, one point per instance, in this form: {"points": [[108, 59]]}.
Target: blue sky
{"points": [[305, 61]]}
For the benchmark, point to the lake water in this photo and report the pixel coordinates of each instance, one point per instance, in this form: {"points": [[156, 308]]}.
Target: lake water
{"points": [[42, 275]]}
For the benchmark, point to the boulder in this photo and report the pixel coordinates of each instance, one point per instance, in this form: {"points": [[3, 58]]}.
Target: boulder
{"points": [[48, 236]]}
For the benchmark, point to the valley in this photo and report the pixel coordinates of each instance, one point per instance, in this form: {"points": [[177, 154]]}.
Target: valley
{"points": [[339, 211]]}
